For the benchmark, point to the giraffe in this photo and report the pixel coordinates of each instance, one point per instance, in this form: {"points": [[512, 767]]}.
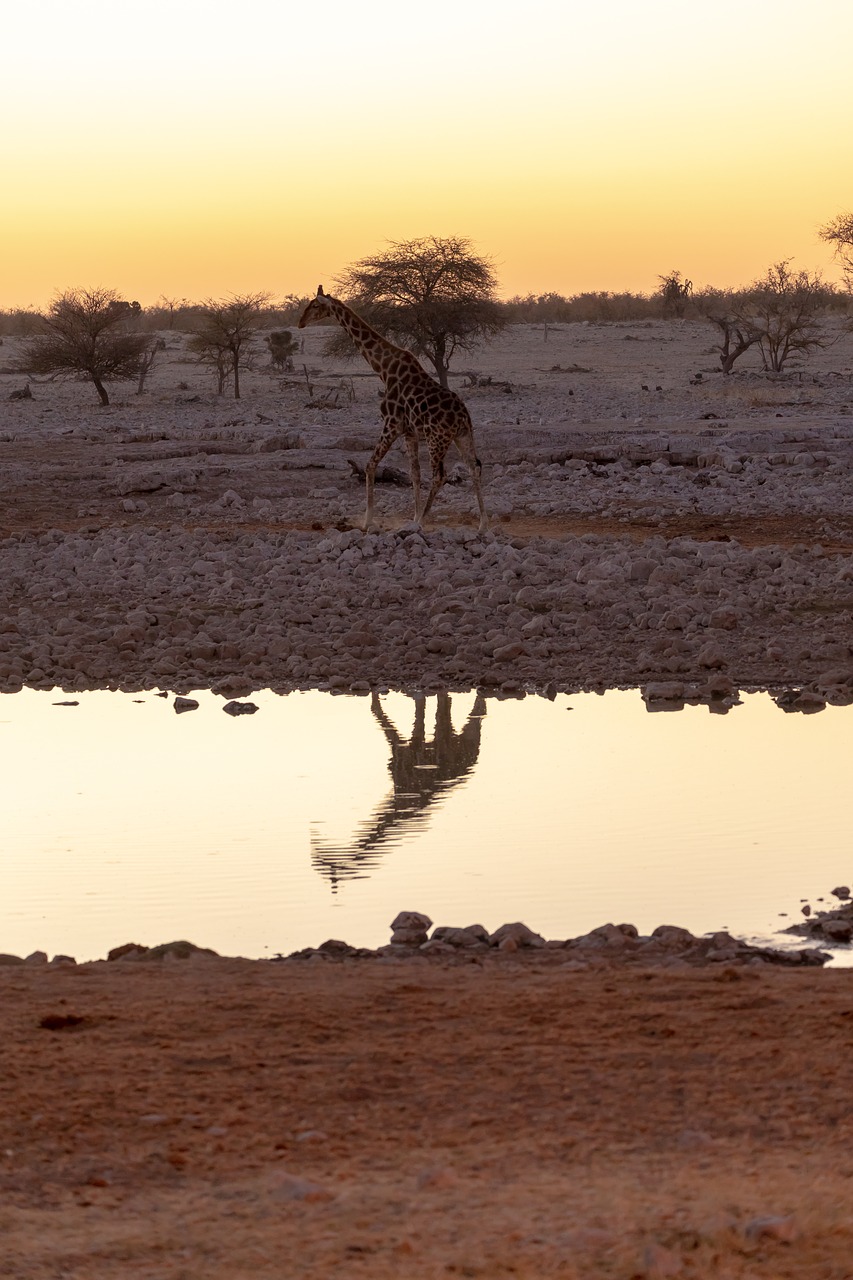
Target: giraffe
{"points": [[413, 405]]}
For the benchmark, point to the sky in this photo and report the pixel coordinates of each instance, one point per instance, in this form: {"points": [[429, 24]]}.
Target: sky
{"points": [[194, 148]]}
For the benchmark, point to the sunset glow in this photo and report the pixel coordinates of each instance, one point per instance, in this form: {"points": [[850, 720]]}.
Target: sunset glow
{"points": [[194, 148]]}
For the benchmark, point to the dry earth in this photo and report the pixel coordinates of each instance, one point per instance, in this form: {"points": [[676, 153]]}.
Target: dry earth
{"points": [[219, 1119], [429, 1118]]}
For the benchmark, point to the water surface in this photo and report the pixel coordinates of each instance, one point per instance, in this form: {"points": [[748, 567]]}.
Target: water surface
{"points": [[324, 816]]}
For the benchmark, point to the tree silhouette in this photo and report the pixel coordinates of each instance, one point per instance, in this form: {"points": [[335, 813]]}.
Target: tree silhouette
{"points": [[225, 330], [839, 233], [85, 334], [675, 293], [785, 306], [435, 296]]}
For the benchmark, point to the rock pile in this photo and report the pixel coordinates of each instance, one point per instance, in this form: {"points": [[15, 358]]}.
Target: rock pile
{"points": [[186, 608], [609, 944], [834, 925]]}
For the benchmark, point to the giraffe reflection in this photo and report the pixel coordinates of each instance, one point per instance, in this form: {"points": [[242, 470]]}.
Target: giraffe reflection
{"points": [[422, 772]]}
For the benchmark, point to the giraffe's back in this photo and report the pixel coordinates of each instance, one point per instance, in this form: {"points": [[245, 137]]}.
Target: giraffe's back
{"points": [[429, 406]]}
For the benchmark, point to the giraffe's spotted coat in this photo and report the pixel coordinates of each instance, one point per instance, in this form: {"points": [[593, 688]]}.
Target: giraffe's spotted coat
{"points": [[413, 406]]}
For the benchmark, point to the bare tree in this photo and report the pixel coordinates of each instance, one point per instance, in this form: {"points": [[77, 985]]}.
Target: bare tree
{"points": [[435, 296], [224, 333], [146, 361], [839, 233], [729, 312], [780, 314], [737, 336], [87, 333], [785, 306], [210, 349], [168, 309]]}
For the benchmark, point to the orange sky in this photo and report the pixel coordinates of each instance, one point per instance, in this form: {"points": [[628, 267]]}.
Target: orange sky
{"points": [[194, 149]]}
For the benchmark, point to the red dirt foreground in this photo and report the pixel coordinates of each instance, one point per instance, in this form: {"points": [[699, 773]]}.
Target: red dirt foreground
{"points": [[227, 1119]]}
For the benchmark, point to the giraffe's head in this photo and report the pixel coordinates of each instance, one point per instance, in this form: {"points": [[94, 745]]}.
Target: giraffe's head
{"points": [[318, 309]]}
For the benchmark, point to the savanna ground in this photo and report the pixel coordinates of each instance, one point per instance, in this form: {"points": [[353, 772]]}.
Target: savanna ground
{"points": [[225, 1119]]}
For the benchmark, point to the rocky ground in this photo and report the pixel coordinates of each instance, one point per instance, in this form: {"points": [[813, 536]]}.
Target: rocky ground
{"points": [[623, 1107], [648, 524]]}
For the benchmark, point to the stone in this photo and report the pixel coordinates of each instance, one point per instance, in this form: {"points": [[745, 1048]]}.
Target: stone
{"points": [[240, 708], [509, 652], [411, 920], [409, 937], [612, 935], [518, 933], [127, 951], [672, 935], [470, 936], [726, 618], [803, 700], [333, 946], [837, 930], [842, 892], [664, 691], [177, 951], [185, 704], [434, 946]]}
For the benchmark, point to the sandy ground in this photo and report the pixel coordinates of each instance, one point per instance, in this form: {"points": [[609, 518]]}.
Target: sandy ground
{"points": [[428, 1118], [227, 1119]]}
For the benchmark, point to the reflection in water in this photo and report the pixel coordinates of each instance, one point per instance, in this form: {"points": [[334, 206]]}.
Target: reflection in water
{"points": [[706, 821], [421, 773]]}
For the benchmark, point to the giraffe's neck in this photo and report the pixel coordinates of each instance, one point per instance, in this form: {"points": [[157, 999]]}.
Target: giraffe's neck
{"points": [[377, 351]]}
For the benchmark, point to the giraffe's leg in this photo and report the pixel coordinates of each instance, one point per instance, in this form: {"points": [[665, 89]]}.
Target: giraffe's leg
{"points": [[413, 450], [465, 445], [437, 450], [389, 434]]}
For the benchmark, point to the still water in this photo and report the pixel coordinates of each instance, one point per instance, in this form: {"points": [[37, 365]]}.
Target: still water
{"points": [[324, 816]]}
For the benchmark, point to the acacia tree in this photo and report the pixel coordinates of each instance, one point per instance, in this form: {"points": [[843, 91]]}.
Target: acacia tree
{"points": [[839, 233], [86, 334], [729, 312], [225, 330], [737, 335], [785, 307], [435, 296], [780, 314]]}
